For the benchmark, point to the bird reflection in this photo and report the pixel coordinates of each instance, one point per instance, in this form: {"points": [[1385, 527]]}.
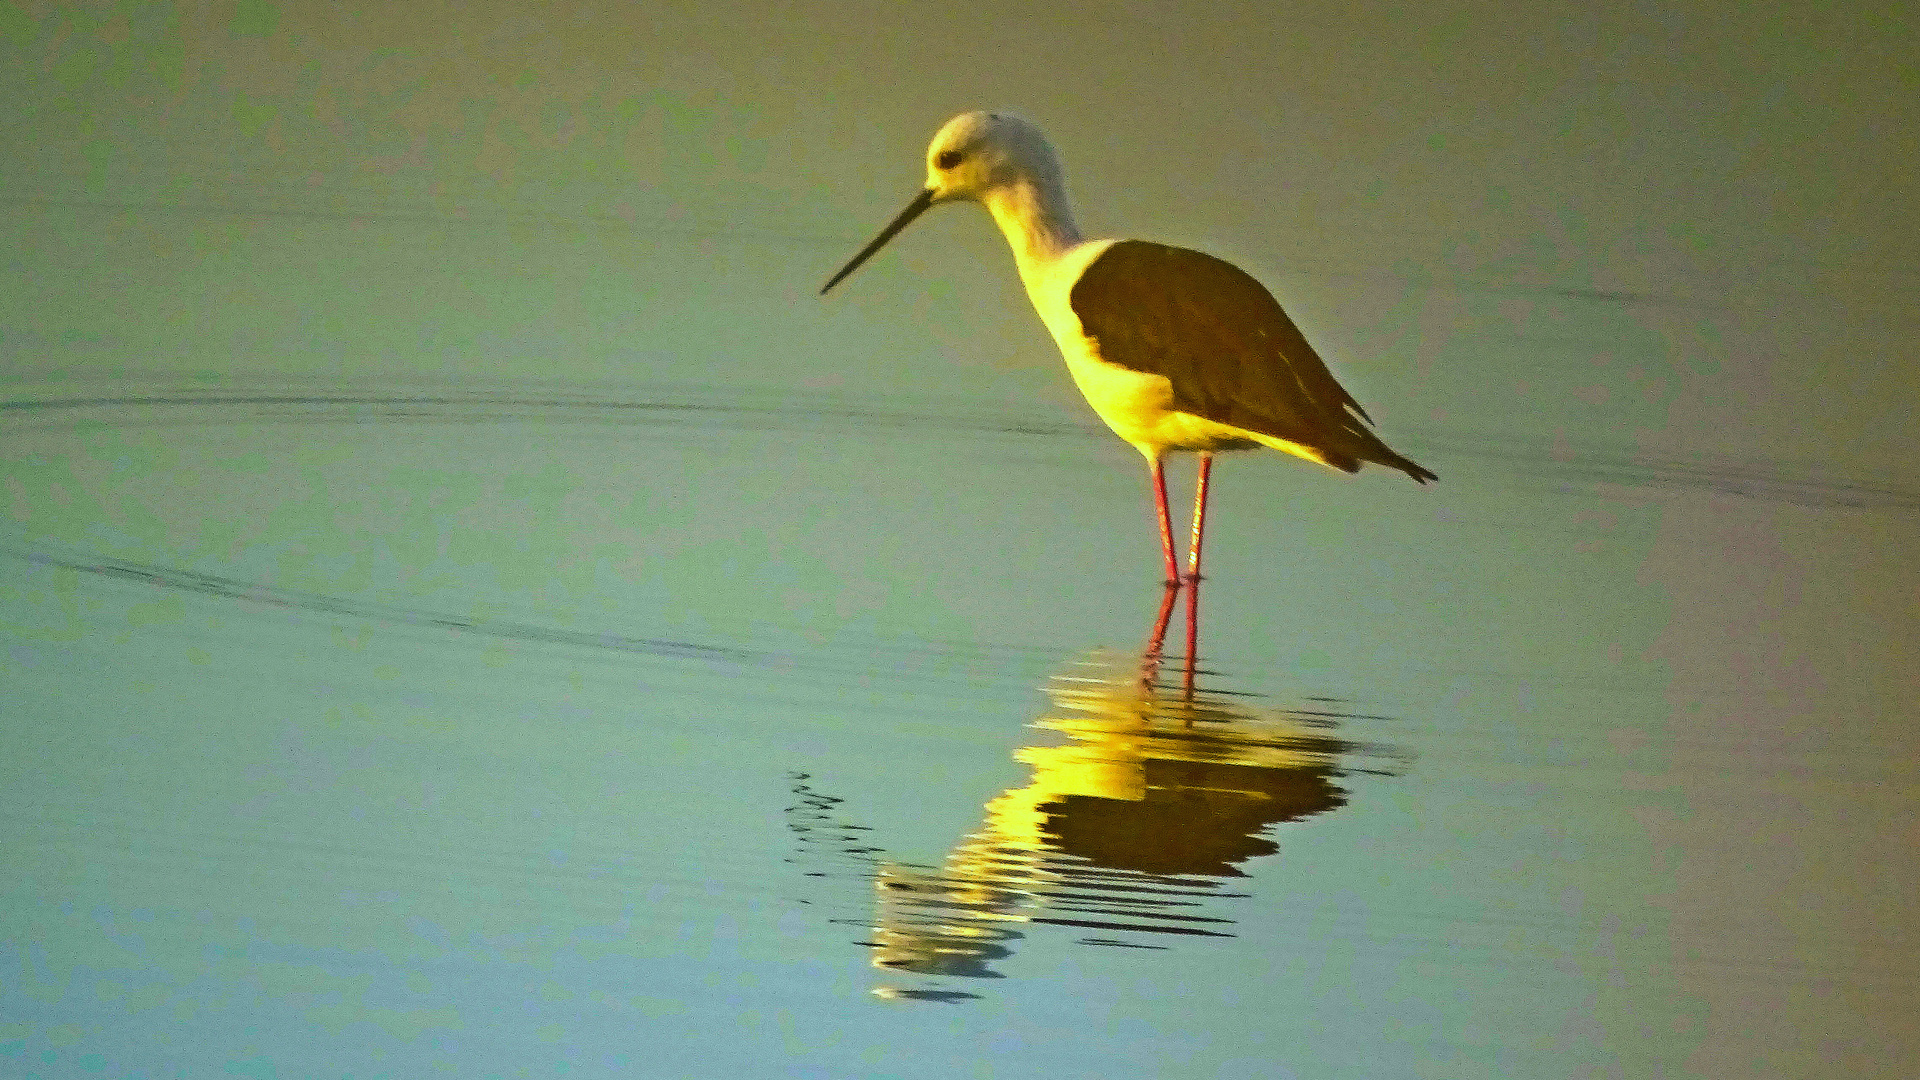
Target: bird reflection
{"points": [[1129, 830]]}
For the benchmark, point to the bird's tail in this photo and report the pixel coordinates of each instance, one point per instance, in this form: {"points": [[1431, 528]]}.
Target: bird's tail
{"points": [[1347, 454], [1370, 448], [1412, 468]]}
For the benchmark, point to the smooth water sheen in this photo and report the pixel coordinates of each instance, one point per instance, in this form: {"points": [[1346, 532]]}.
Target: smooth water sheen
{"points": [[370, 731]]}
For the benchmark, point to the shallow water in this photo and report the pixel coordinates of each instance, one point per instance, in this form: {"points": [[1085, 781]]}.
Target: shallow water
{"points": [[692, 731], [467, 605]]}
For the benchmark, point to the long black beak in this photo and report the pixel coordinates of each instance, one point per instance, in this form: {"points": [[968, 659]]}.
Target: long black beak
{"points": [[914, 209]]}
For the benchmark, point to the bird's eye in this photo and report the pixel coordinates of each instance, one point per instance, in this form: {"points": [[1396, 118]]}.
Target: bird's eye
{"points": [[948, 159]]}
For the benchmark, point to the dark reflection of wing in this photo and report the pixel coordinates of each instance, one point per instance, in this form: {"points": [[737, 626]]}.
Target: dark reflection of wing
{"points": [[1164, 786], [1130, 828]]}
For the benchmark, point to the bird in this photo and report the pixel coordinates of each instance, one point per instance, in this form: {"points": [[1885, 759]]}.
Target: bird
{"points": [[1176, 350]]}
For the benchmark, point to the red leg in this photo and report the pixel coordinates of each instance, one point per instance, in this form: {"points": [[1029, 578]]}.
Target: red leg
{"points": [[1193, 570], [1160, 621], [1150, 659], [1199, 517], [1166, 522]]}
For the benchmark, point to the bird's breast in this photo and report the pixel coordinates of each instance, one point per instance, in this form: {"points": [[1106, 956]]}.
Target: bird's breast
{"points": [[1137, 405], [1129, 401]]}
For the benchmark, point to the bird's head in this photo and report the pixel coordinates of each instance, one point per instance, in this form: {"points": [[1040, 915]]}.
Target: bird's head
{"points": [[975, 152], [971, 155]]}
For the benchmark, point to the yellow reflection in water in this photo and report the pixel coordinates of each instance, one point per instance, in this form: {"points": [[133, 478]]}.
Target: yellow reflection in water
{"points": [[1127, 830]]}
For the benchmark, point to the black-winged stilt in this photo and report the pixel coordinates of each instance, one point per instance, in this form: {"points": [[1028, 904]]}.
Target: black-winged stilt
{"points": [[1174, 349]]}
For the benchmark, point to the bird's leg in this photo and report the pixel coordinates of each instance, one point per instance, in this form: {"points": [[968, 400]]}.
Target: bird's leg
{"points": [[1150, 665], [1161, 620], [1193, 641], [1166, 522], [1150, 658], [1193, 568], [1199, 517]]}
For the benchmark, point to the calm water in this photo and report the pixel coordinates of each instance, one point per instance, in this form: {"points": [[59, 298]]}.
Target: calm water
{"points": [[364, 730], [468, 607]]}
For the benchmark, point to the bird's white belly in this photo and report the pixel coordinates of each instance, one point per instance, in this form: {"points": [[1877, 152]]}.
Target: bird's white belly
{"points": [[1134, 404], [1139, 408], [1137, 405]]}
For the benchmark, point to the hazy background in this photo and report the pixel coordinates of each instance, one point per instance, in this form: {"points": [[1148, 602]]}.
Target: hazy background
{"points": [[520, 301]]}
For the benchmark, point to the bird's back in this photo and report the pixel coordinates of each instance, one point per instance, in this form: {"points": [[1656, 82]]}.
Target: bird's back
{"points": [[1229, 351]]}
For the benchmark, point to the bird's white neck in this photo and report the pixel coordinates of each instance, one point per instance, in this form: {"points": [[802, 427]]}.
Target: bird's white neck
{"points": [[1033, 214]]}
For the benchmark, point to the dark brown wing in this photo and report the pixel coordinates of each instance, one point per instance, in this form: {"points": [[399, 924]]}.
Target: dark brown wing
{"points": [[1232, 355]]}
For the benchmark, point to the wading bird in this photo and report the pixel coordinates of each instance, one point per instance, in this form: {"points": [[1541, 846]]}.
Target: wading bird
{"points": [[1176, 350]]}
